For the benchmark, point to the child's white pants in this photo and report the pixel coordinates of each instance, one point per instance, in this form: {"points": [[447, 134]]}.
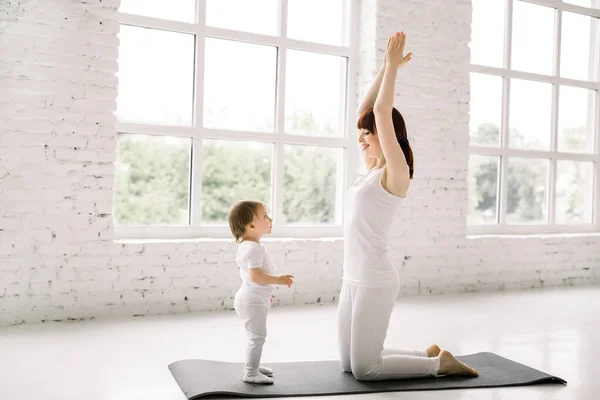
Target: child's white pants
{"points": [[253, 309]]}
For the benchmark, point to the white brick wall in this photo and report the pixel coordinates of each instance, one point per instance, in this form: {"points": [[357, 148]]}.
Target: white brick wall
{"points": [[58, 260]]}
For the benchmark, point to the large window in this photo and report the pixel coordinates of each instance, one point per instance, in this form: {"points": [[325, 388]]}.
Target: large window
{"points": [[224, 100], [535, 117]]}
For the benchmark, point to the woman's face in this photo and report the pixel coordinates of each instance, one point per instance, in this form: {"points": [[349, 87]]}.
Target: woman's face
{"points": [[369, 143]]}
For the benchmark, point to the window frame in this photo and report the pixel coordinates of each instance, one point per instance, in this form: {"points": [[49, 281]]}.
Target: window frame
{"points": [[197, 132], [553, 155]]}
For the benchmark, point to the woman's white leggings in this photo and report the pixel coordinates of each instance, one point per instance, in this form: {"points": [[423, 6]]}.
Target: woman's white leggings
{"points": [[363, 320]]}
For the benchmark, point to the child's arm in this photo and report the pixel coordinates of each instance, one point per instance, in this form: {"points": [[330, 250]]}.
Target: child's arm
{"points": [[258, 276]]}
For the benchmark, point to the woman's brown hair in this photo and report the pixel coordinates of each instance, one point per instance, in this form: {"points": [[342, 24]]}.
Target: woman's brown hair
{"points": [[367, 122]]}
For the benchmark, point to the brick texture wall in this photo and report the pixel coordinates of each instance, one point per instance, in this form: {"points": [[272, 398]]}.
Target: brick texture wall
{"points": [[58, 259]]}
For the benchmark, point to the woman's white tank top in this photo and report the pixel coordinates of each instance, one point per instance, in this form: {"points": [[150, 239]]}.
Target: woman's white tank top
{"points": [[370, 212]]}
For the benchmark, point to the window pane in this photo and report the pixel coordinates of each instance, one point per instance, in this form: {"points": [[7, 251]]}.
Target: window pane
{"points": [[156, 76], [233, 171], [527, 191], [315, 94], [179, 10], [530, 115], [574, 187], [483, 189], [318, 21], [152, 180], [239, 86], [312, 179], [576, 120], [486, 110], [532, 43], [256, 16], [584, 3], [577, 46], [487, 37]]}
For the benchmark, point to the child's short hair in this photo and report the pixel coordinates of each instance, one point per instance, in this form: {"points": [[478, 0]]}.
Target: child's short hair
{"points": [[240, 215]]}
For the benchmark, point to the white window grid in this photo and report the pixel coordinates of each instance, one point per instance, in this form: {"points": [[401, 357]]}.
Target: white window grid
{"points": [[505, 152], [345, 175]]}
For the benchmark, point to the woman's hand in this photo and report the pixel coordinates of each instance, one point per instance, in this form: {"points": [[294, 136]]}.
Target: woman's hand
{"points": [[394, 54], [386, 51]]}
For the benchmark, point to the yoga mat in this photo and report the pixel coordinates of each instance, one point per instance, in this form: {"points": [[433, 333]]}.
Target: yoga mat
{"points": [[212, 379]]}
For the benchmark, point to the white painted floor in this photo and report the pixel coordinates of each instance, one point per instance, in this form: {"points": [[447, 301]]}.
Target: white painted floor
{"points": [[556, 331]]}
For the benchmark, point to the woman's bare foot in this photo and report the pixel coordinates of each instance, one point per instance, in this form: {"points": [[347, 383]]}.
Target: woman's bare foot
{"points": [[449, 365], [433, 350]]}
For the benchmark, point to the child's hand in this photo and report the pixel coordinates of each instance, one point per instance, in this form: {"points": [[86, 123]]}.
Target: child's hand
{"points": [[285, 280]]}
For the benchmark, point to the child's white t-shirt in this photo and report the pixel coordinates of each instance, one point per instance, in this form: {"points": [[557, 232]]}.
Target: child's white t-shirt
{"points": [[254, 255]]}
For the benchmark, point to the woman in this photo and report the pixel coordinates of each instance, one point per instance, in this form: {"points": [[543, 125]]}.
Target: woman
{"points": [[370, 286]]}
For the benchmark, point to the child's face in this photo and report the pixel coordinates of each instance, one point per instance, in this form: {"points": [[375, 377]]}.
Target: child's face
{"points": [[263, 224]]}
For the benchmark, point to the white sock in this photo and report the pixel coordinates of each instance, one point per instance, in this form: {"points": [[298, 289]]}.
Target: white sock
{"points": [[265, 371], [256, 377]]}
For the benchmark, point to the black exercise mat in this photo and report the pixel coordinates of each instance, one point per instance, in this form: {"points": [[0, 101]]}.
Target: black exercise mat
{"points": [[214, 379]]}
